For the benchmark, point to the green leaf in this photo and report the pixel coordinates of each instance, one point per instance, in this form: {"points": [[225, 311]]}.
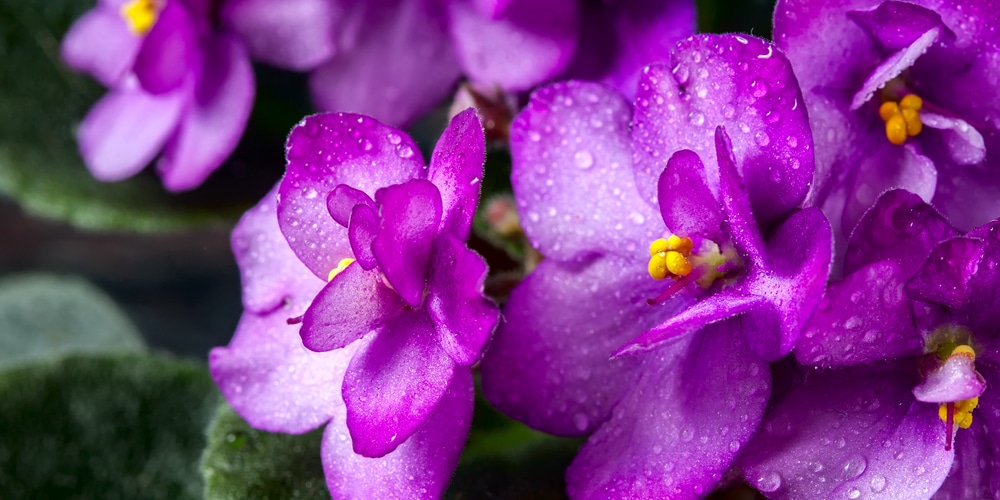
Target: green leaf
{"points": [[42, 102], [110, 426], [44, 316], [241, 462]]}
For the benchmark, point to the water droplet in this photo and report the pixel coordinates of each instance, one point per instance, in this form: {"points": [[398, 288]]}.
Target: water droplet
{"points": [[758, 88], [853, 493], [581, 422], [793, 142], [769, 482], [583, 159], [696, 118], [534, 136], [761, 138], [854, 466], [405, 152], [878, 483], [310, 194], [394, 138]]}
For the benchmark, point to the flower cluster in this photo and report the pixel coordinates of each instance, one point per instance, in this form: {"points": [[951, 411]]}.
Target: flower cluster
{"points": [[690, 216]]}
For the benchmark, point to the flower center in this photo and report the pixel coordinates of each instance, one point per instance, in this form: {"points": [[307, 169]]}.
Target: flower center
{"points": [[902, 118], [674, 258], [959, 412], [141, 15]]}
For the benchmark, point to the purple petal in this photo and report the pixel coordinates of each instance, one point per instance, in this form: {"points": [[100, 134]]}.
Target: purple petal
{"points": [[740, 220], [984, 303], [571, 174], [491, 9], [214, 119], [969, 195], [269, 271], [296, 35], [666, 439], [100, 44], [342, 200], [854, 432], [125, 129], [419, 468], [169, 52], [864, 318], [363, 228], [394, 383], [687, 206], [900, 227], [463, 317], [744, 84], [271, 379], [325, 151], [964, 143], [893, 66], [530, 43], [411, 215], [792, 279], [548, 364], [976, 472], [456, 169], [711, 309], [355, 303], [944, 277], [896, 25], [617, 39], [954, 380], [397, 65]]}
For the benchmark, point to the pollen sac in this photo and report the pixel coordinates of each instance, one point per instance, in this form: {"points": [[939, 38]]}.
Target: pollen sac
{"points": [[670, 257], [340, 268], [902, 119], [141, 15]]}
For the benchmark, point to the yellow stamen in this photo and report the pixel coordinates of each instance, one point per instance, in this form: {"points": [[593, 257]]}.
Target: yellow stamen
{"points": [[658, 267], [669, 257], [682, 245], [141, 15], [678, 264], [902, 119], [963, 412], [964, 349], [340, 268]]}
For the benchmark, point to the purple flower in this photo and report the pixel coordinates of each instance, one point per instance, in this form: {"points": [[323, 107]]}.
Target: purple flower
{"points": [[900, 94], [745, 263], [177, 84], [911, 332], [387, 292], [395, 59]]}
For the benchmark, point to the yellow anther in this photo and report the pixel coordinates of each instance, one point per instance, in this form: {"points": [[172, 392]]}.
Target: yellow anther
{"points": [[963, 412], [658, 267], [964, 349], [913, 123], [340, 268], [678, 244], [888, 110], [895, 130], [141, 15], [669, 257], [658, 245], [911, 101], [677, 263]]}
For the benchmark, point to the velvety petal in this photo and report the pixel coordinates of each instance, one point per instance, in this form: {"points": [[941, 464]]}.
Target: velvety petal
{"points": [[744, 84], [364, 227], [214, 119], [169, 52], [571, 174], [411, 215], [353, 304], [548, 363], [900, 227], [463, 317], [125, 129], [271, 379], [983, 310], [342, 200], [269, 272], [617, 39], [711, 309], [969, 195], [399, 63], [956, 379], [491, 9], [864, 318], [420, 468], [850, 433], [792, 279], [100, 44], [897, 25], [893, 66], [666, 439], [944, 277], [456, 169], [740, 221], [530, 43], [297, 34], [325, 151], [964, 143], [394, 383], [688, 207]]}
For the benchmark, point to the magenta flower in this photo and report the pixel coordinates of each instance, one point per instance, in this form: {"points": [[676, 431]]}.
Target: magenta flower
{"points": [[399, 323], [911, 332], [746, 265], [900, 94], [395, 59]]}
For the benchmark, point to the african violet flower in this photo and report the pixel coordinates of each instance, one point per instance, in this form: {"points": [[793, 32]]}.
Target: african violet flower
{"points": [[688, 378], [394, 59], [387, 292], [900, 94], [912, 332]]}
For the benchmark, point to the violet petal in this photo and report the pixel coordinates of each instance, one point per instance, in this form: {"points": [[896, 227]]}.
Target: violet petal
{"points": [[169, 51], [456, 169], [944, 277], [954, 380], [297, 34], [342, 200], [100, 43], [688, 207], [363, 228]]}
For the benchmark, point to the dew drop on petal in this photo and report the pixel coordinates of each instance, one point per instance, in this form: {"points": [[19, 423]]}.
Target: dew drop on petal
{"points": [[769, 482], [583, 159]]}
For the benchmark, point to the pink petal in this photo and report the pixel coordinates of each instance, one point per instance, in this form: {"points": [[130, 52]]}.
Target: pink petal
{"points": [[100, 43]]}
